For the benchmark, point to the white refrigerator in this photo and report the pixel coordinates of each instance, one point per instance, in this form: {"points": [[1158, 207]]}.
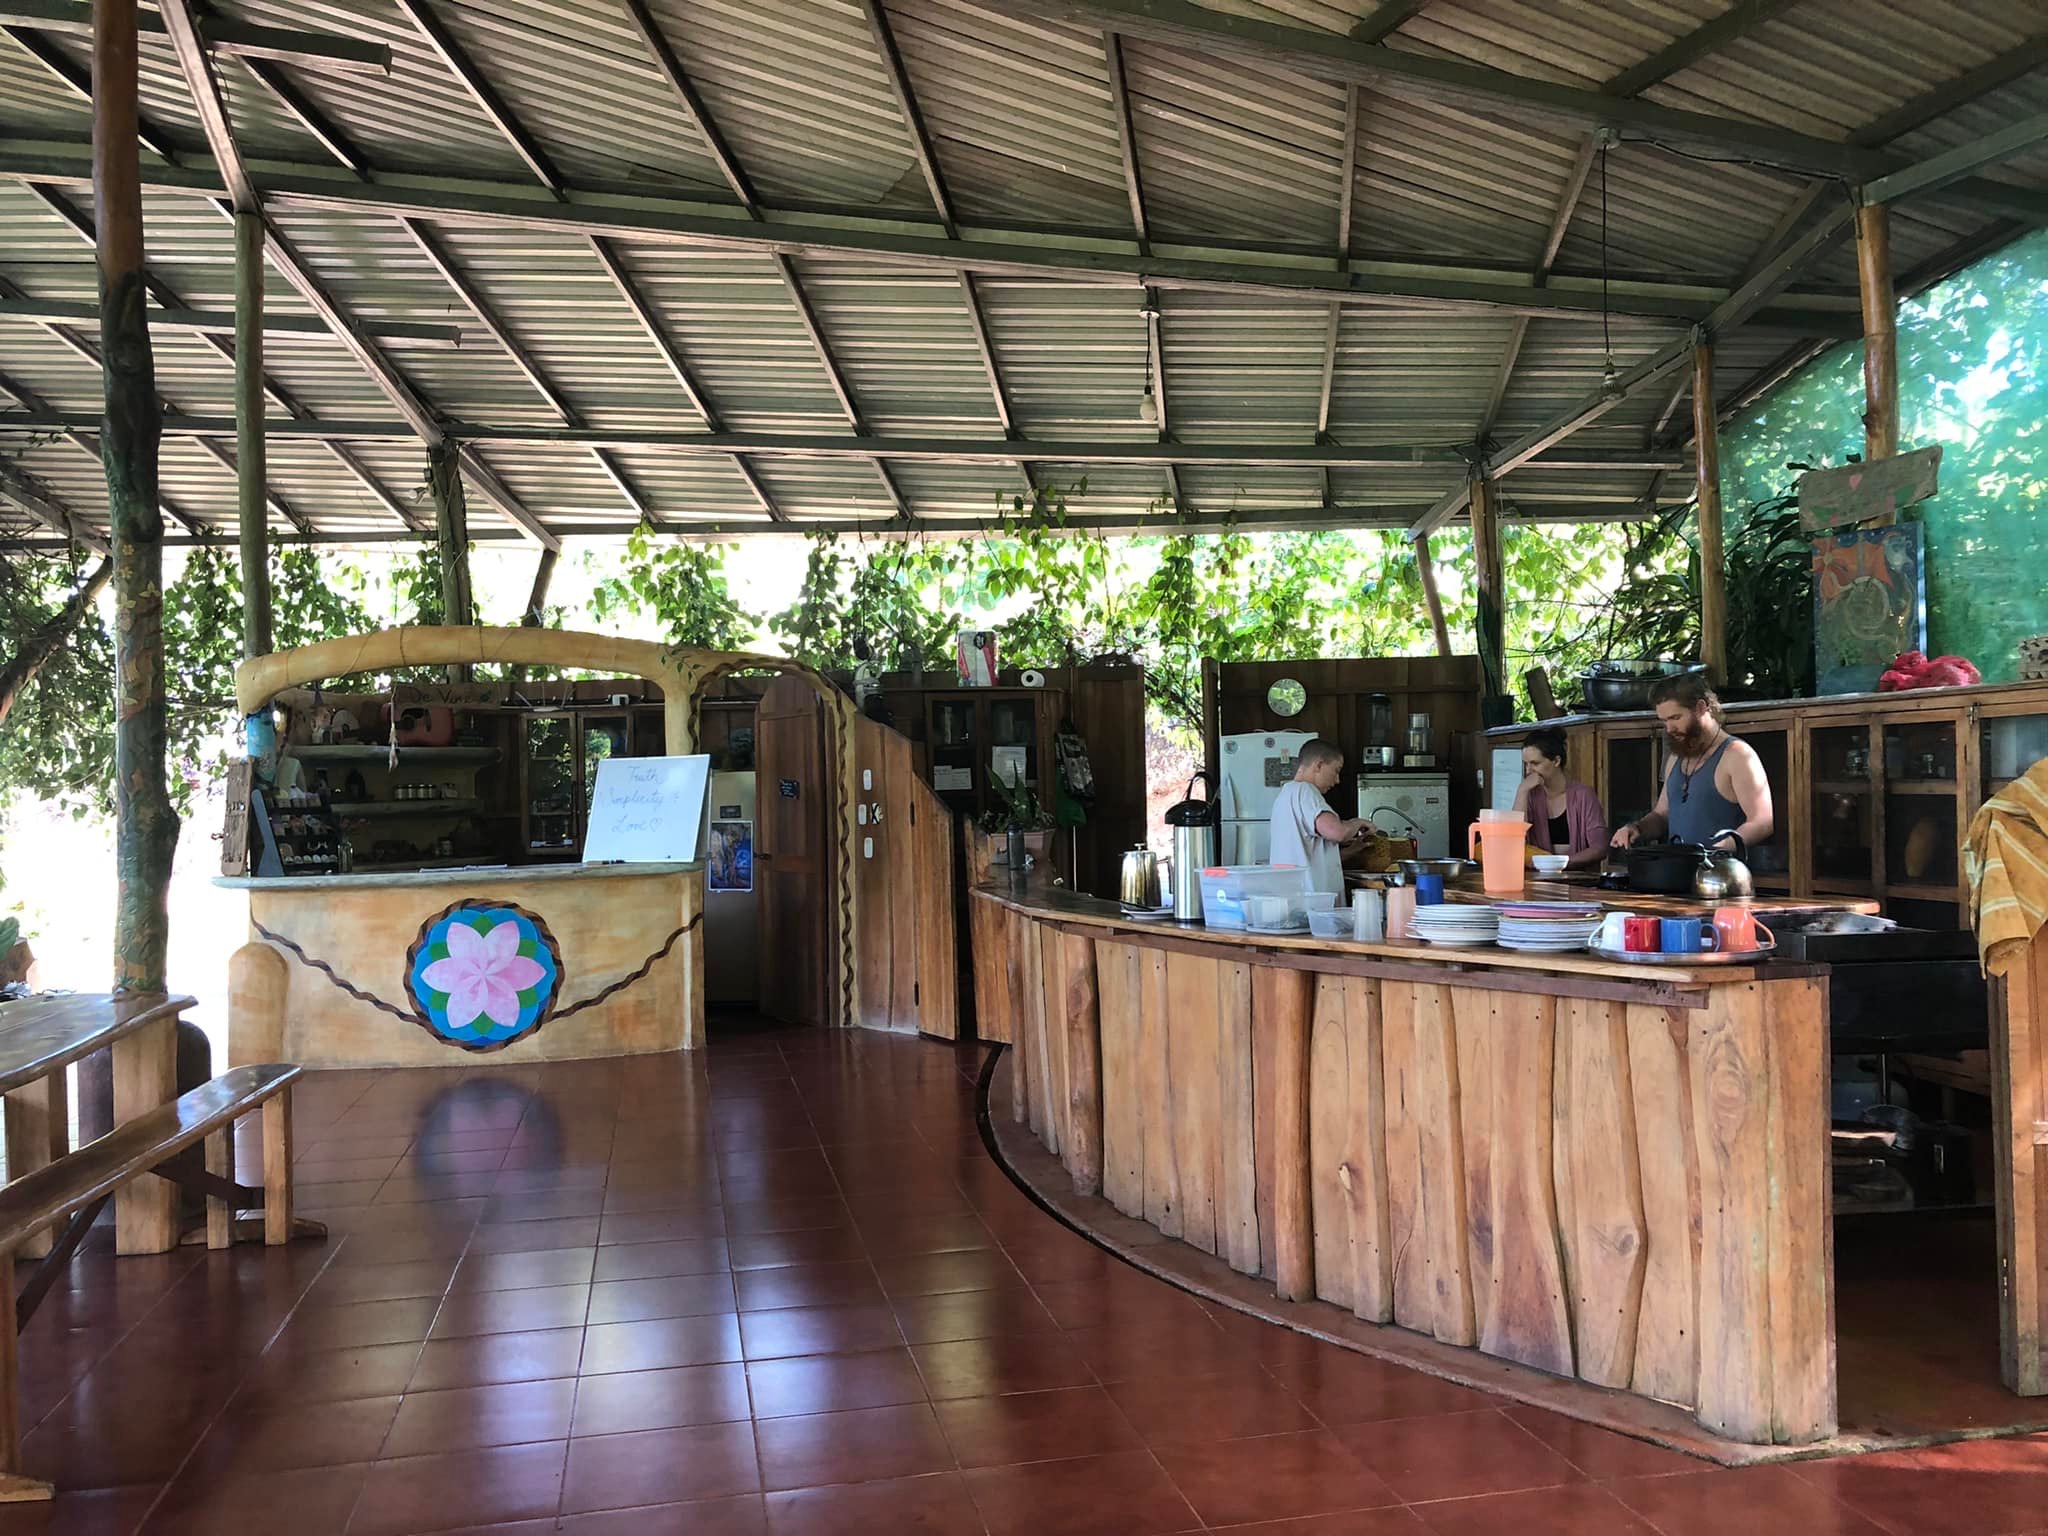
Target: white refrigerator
{"points": [[1254, 766]]}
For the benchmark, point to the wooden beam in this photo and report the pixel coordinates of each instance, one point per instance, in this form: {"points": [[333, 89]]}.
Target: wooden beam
{"points": [[316, 50], [1880, 333], [537, 598], [207, 101], [46, 506], [145, 826], [1425, 568], [1953, 165], [1713, 561], [1385, 19], [482, 92], [222, 322], [670, 67], [786, 269], [451, 535], [324, 130], [906, 102], [250, 460], [79, 82], [1126, 137], [1708, 37], [1334, 57], [1489, 590], [1958, 91], [1239, 271], [622, 280]]}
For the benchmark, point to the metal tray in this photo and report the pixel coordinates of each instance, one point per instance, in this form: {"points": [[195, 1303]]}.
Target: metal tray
{"points": [[1704, 957]]}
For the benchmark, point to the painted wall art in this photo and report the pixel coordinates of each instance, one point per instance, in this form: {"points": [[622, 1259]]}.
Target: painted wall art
{"points": [[483, 975], [1869, 604]]}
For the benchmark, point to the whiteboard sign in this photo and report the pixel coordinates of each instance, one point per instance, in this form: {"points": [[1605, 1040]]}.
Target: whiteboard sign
{"points": [[649, 810]]}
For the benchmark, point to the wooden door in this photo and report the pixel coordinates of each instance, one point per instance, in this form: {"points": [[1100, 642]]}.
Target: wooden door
{"points": [[793, 853], [903, 864]]}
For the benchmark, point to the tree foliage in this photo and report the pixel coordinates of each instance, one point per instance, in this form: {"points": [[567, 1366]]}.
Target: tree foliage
{"points": [[683, 586]]}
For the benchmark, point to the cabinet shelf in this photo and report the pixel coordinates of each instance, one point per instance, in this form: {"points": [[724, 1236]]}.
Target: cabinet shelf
{"points": [[357, 753], [1922, 891], [1920, 786], [1842, 786], [382, 810]]}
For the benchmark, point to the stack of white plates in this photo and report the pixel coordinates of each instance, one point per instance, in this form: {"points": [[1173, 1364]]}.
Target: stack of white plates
{"points": [[1456, 924], [1548, 927]]}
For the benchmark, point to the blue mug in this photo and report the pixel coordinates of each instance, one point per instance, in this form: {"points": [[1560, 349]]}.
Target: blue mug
{"points": [[1688, 936], [1429, 890]]}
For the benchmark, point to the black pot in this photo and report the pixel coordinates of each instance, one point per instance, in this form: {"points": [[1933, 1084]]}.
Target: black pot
{"points": [[1664, 869]]}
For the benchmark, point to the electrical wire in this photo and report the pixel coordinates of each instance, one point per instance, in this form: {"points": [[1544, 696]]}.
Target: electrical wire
{"points": [[1606, 336]]}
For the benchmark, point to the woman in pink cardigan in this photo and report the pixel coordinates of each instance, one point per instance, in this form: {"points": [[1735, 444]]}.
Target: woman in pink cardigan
{"points": [[1565, 816]]}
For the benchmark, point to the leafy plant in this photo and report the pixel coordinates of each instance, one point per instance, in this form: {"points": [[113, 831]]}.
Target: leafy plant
{"points": [[1019, 812], [10, 933], [683, 586]]}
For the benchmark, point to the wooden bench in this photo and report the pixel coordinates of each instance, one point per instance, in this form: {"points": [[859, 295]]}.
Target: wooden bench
{"points": [[78, 1185], [39, 1038]]}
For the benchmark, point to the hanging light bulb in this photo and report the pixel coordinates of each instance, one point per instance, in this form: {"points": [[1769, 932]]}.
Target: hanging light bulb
{"points": [[1148, 408]]}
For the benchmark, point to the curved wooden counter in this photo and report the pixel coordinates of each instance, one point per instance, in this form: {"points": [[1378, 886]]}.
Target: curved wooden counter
{"points": [[1604, 1172]]}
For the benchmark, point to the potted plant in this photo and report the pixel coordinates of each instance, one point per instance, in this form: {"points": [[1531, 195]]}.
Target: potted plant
{"points": [[1014, 832]]}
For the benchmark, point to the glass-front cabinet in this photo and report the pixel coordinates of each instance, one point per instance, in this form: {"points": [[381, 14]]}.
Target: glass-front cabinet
{"points": [[1842, 807], [1770, 862], [973, 736], [559, 754]]}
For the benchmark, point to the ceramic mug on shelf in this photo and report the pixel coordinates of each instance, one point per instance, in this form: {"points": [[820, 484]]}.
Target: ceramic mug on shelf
{"points": [[1400, 910], [1689, 936], [1642, 935], [1613, 931], [1739, 928]]}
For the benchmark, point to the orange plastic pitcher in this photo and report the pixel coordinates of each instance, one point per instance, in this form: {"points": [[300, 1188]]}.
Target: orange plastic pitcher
{"points": [[1499, 846]]}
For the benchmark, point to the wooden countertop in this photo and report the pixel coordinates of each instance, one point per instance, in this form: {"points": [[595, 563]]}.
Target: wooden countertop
{"points": [[474, 874], [1056, 904], [1649, 904]]}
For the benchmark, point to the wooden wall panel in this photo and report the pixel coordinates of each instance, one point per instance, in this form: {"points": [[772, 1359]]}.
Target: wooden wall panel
{"points": [[1605, 1243], [1730, 1089], [1052, 1036], [1528, 1318], [1282, 1002], [1237, 1188], [1082, 1017], [1660, 1079], [1802, 1257], [880, 892], [1194, 1090], [1399, 1003], [990, 925], [1031, 1001], [935, 992], [1017, 930], [1346, 1139], [1162, 1181], [1478, 1063], [1118, 1002], [1440, 1145]]}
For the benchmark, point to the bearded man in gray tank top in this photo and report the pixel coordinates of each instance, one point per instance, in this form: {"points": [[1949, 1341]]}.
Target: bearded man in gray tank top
{"points": [[1716, 784]]}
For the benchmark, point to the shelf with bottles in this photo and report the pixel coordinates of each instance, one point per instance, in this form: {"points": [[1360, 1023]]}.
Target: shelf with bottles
{"points": [[357, 752], [381, 810]]}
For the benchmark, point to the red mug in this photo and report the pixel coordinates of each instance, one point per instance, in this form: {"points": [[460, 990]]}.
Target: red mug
{"points": [[1642, 935]]}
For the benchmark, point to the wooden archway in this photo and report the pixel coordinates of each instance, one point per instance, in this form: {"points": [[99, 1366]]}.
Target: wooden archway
{"points": [[681, 672]]}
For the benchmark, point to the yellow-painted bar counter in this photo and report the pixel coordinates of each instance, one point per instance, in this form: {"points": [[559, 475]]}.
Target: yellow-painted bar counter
{"points": [[429, 968], [1605, 1172]]}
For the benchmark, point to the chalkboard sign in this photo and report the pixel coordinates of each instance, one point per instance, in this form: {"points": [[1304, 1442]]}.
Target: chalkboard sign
{"points": [[649, 810], [787, 788]]}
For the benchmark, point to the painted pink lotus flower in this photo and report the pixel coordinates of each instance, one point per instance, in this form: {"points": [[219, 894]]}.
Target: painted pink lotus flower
{"points": [[483, 974]]}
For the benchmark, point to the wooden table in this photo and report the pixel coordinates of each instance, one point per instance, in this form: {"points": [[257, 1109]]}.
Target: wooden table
{"points": [[1648, 903], [39, 1038]]}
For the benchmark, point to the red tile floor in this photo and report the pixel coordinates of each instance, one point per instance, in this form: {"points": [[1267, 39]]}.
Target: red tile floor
{"points": [[782, 1288]]}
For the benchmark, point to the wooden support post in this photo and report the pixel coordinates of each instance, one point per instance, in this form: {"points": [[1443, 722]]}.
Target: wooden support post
{"points": [[277, 1169], [1880, 333], [537, 599], [145, 1079], [1426, 569], [451, 533], [220, 1211], [1713, 562], [38, 1130], [1487, 561], [251, 469], [14, 1488], [146, 828]]}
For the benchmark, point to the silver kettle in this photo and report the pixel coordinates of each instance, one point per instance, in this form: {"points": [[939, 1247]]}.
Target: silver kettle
{"points": [[1138, 888], [1723, 876]]}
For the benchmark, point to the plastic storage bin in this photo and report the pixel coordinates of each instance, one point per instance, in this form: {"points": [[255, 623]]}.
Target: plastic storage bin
{"points": [[1225, 887], [1333, 925]]}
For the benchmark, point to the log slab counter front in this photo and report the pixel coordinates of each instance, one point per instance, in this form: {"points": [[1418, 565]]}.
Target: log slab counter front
{"points": [[1602, 1171], [543, 963]]}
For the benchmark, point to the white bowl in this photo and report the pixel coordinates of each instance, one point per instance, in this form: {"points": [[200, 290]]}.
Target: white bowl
{"points": [[1549, 863]]}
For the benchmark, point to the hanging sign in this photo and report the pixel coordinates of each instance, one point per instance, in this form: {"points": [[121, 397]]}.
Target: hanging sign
{"points": [[1857, 493]]}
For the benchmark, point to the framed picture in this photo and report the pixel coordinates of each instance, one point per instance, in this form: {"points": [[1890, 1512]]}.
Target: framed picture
{"points": [[1869, 604], [730, 865]]}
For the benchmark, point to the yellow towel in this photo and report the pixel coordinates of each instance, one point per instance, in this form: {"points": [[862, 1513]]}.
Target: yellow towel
{"points": [[2005, 859]]}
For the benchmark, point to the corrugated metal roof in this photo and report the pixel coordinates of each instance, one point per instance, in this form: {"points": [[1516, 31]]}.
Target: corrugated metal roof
{"points": [[1238, 159]]}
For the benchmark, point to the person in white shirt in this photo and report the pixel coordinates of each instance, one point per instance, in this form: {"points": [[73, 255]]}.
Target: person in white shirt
{"points": [[1305, 830]]}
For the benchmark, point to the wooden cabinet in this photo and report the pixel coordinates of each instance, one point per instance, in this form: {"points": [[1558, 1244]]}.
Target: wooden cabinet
{"points": [[971, 734], [1873, 792], [559, 752]]}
